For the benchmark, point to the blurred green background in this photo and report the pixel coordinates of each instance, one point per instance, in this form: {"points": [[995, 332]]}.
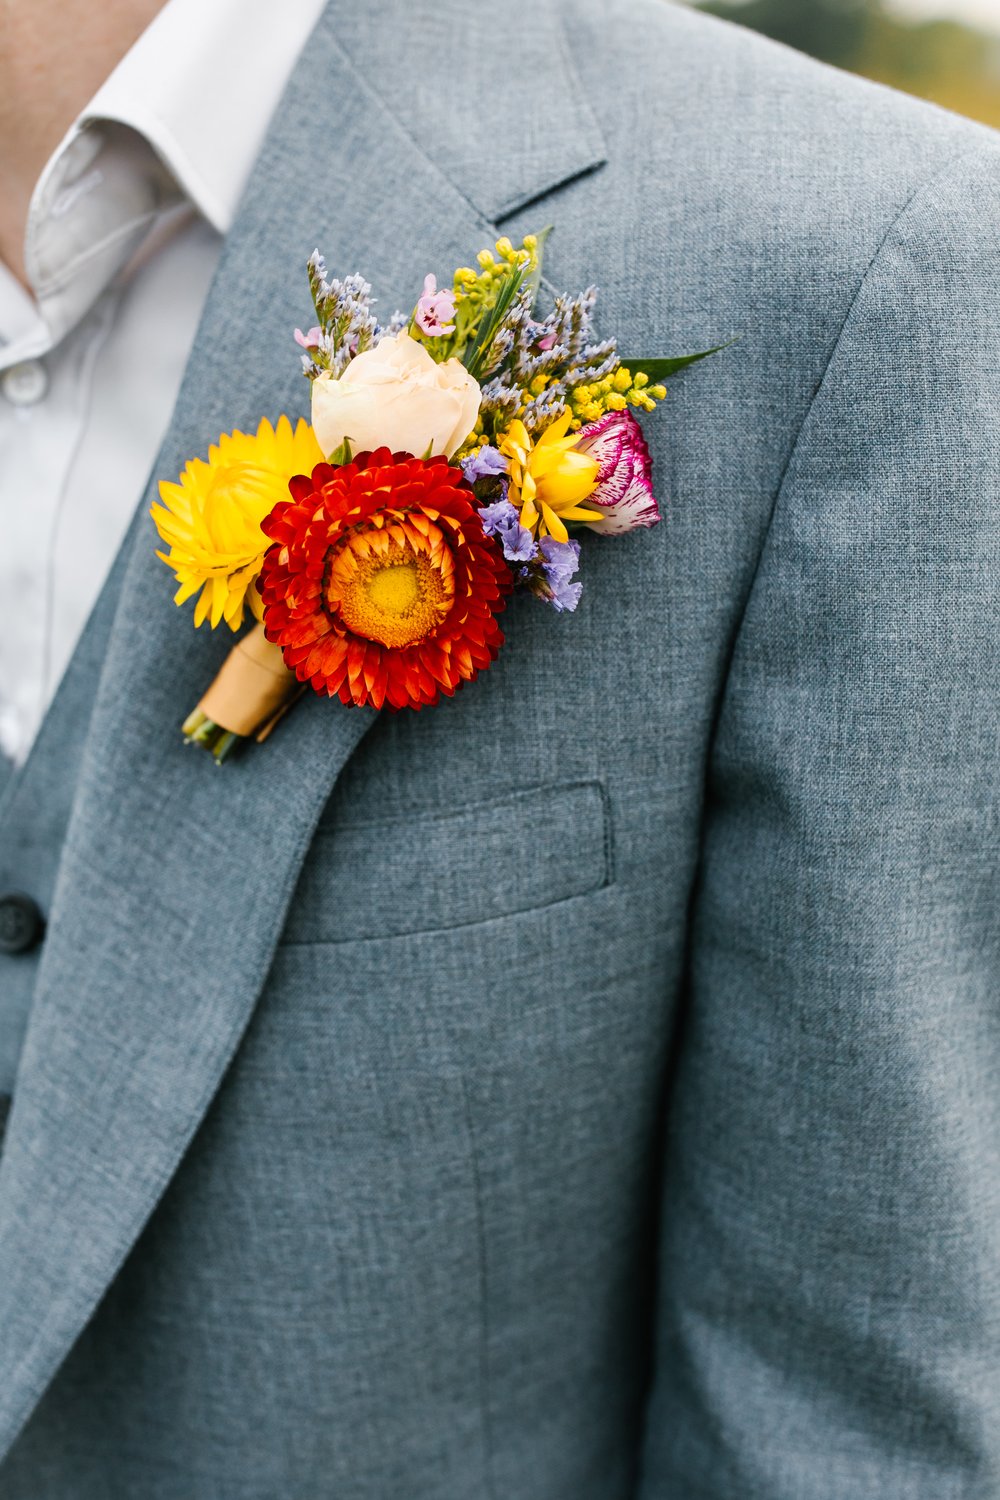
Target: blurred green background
{"points": [[944, 50]]}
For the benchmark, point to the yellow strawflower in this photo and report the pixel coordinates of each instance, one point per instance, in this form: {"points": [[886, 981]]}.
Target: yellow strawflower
{"points": [[549, 478], [211, 518]]}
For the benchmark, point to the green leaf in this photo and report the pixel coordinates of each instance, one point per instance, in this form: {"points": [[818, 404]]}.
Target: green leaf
{"points": [[493, 322], [534, 279], [342, 453], [662, 369]]}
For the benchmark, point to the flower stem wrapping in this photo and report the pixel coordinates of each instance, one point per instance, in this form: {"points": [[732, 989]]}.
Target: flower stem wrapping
{"points": [[250, 693]]}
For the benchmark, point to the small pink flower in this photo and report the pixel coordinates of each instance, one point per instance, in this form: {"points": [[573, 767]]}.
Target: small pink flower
{"points": [[435, 309], [310, 340], [543, 338], [624, 489]]}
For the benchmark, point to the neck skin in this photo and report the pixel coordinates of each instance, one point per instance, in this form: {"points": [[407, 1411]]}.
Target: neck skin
{"points": [[54, 56]]}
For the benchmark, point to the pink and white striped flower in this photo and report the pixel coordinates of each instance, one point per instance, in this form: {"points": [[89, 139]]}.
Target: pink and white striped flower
{"points": [[624, 488]]}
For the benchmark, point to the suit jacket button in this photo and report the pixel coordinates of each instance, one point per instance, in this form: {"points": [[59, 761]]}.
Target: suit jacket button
{"points": [[21, 923]]}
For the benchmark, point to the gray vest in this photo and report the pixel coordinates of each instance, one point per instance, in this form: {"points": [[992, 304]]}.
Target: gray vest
{"points": [[36, 801]]}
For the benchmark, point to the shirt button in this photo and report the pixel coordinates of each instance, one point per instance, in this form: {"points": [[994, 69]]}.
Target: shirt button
{"points": [[26, 383], [21, 923]]}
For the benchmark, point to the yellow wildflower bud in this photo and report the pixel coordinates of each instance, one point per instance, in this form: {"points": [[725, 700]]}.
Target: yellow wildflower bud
{"points": [[485, 258], [640, 380], [504, 247], [659, 391], [622, 379], [616, 403], [531, 242]]}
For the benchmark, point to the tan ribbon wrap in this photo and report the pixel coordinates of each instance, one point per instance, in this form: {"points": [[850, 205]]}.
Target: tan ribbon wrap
{"points": [[253, 688]]}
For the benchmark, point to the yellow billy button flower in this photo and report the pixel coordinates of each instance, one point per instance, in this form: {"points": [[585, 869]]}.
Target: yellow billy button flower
{"points": [[549, 478], [211, 518]]}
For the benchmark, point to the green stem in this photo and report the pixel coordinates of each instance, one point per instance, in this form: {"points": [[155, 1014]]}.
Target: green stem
{"points": [[199, 729]]}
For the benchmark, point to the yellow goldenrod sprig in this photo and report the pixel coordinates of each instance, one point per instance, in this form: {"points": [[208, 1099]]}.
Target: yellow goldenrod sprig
{"points": [[614, 392], [481, 295]]}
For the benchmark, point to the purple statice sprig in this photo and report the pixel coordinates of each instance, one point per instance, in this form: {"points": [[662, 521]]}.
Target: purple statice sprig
{"points": [[555, 583], [544, 568], [484, 463], [549, 573], [485, 471], [345, 324], [501, 520], [561, 349]]}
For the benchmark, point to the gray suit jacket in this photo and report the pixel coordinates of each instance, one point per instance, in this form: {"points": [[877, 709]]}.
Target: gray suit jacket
{"points": [[587, 1089]]}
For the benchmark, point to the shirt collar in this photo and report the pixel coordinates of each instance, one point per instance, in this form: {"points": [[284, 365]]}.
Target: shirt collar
{"points": [[182, 117], [201, 85]]}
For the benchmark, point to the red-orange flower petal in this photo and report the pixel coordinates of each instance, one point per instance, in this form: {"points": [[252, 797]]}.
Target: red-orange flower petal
{"points": [[380, 585]]}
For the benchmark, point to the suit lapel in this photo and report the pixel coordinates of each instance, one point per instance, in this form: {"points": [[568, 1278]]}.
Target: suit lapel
{"points": [[175, 876]]}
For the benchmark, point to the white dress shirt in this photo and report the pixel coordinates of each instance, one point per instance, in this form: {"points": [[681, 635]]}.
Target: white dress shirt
{"points": [[124, 232]]}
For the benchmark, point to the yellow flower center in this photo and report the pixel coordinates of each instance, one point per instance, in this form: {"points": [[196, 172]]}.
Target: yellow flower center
{"points": [[396, 589], [393, 584]]}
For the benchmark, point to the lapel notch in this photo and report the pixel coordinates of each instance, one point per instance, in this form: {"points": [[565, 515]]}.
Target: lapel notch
{"points": [[511, 122]]}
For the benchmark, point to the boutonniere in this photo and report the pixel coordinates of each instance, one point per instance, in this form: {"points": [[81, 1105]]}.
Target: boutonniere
{"points": [[455, 454]]}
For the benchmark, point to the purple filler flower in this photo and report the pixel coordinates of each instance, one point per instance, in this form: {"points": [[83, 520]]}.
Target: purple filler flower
{"points": [[435, 310], [485, 463], [561, 560], [624, 488], [502, 521], [310, 340]]}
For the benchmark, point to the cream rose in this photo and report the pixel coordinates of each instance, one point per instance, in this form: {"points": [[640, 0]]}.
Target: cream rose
{"points": [[396, 396]]}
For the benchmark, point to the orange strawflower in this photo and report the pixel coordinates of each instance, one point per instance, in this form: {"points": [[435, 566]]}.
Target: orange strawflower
{"points": [[381, 586]]}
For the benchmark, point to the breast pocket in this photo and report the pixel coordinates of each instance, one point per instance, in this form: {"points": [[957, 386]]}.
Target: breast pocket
{"points": [[446, 869]]}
